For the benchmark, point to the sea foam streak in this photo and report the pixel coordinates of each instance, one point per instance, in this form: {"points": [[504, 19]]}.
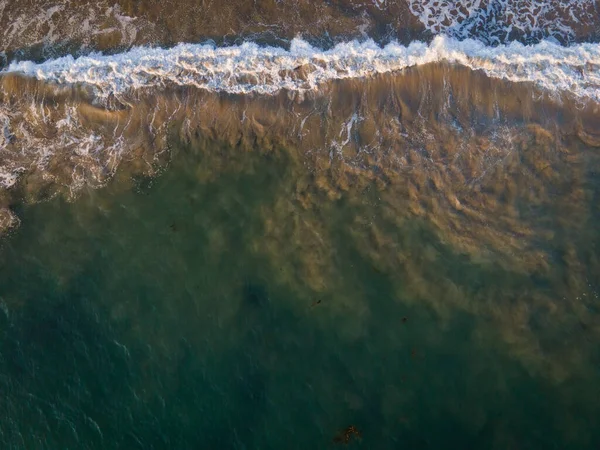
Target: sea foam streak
{"points": [[249, 68]]}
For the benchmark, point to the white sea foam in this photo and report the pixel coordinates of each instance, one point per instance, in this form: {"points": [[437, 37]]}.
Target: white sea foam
{"points": [[498, 21], [249, 68]]}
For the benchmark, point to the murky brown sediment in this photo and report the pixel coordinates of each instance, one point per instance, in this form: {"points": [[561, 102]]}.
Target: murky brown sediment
{"points": [[449, 137], [501, 173]]}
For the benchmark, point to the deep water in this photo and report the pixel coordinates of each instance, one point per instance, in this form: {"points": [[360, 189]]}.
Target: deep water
{"points": [[205, 309]]}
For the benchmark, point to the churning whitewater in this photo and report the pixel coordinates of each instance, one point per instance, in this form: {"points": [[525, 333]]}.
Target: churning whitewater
{"points": [[250, 68]]}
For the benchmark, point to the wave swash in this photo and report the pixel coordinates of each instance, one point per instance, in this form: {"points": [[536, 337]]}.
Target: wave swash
{"points": [[75, 115]]}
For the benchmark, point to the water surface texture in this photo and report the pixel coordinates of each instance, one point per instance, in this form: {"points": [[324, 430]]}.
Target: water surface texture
{"points": [[300, 225]]}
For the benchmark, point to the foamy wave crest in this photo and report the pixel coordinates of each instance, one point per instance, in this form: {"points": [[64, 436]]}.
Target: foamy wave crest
{"points": [[500, 21], [249, 68]]}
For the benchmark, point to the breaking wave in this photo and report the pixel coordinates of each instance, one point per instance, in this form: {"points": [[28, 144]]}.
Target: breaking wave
{"points": [[249, 68]]}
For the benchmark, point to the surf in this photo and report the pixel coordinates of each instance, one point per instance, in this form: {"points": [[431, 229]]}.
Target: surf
{"points": [[250, 68]]}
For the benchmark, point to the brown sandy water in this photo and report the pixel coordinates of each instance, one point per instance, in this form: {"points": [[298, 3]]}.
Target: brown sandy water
{"points": [[414, 255], [499, 172]]}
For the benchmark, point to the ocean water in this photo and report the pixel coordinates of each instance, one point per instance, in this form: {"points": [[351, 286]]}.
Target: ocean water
{"points": [[205, 309], [300, 225]]}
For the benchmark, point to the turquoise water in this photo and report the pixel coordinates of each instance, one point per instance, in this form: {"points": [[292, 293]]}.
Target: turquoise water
{"points": [[207, 308]]}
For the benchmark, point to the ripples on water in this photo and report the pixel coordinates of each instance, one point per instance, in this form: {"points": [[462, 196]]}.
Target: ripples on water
{"points": [[327, 239]]}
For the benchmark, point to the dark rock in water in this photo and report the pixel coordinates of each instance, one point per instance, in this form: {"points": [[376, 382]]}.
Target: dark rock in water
{"points": [[255, 295], [346, 435]]}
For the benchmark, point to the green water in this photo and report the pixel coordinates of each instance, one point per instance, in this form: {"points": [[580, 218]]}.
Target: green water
{"points": [[201, 311]]}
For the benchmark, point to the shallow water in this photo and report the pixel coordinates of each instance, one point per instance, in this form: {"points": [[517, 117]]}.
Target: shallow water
{"points": [[206, 308]]}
